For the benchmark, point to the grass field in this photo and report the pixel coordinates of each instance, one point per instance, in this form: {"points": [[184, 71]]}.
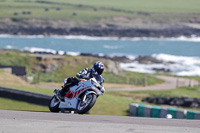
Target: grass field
{"points": [[91, 11], [143, 5], [179, 92], [9, 104], [104, 11], [134, 5], [111, 103], [84, 13], [102, 107], [130, 78], [117, 103]]}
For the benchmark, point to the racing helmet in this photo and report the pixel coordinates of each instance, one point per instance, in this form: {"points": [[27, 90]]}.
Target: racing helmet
{"points": [[98, 67]]}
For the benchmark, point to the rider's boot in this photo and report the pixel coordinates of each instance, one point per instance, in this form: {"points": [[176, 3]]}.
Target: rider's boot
{"points": [[63, 91], [61, 94]]}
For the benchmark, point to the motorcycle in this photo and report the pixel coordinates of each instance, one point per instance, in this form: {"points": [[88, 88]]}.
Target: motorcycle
{"points": [[79, 98]]}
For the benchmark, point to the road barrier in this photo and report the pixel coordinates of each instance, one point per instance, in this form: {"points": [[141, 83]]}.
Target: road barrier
{"points": [[141, 110], [155, 112], [26, 96]]}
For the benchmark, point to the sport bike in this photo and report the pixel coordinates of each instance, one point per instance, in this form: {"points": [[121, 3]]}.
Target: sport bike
{"points": [[79, 98]]}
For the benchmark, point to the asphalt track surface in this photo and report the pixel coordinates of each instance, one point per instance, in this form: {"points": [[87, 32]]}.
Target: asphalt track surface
{"points": [[43, 122]]}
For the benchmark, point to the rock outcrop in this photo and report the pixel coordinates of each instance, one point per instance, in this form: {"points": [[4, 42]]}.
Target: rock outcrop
{"points": [[174, 101], [61, 27]]}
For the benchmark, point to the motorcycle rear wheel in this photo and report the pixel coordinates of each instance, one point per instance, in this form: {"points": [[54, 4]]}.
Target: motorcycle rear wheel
{"points": [[84, 107], [53, 104]]}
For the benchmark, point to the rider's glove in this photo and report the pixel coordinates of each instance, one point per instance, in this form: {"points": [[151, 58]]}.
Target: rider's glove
{"points": [[85, 77], [102, 90]]}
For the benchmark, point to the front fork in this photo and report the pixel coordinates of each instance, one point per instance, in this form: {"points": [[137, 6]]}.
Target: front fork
{"points": [[56, 92], [87, 93], [84, 98]]}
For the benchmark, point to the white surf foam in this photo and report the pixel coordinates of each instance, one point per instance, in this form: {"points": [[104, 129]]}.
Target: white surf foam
{"points": [[193, 38], [111, 47], [178, 59], [35, 49], [21, 36], [9, 47], [73, 53], [179, 65]]}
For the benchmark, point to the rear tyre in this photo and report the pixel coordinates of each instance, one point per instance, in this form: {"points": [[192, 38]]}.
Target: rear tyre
{"points": [[84, 107], [53, 104]]}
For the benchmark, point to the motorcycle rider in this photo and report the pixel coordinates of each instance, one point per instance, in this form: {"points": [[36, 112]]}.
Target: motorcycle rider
{"points": [[96, 71]]}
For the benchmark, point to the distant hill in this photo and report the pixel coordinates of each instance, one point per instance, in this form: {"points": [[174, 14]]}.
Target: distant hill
{"points": [[132, 18]]}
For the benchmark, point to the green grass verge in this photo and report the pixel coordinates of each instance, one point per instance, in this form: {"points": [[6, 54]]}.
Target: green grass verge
{"points": [[9, 104], [116, 103], [179, 92], [33, 89], [105, 105], [130, 78], [112, 105]]}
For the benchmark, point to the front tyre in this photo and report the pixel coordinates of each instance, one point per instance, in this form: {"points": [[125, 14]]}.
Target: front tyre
{"points": [[53, 104], [84, 106]]}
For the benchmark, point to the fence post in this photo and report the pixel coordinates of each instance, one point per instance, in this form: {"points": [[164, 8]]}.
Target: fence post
{"points": [[145, 81], [189, 83], [127, 80], [38, 78], [177, 83], [135, 81]]}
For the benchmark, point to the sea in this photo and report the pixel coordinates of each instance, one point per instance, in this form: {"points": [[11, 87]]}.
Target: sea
{"points": [[184, 52]]}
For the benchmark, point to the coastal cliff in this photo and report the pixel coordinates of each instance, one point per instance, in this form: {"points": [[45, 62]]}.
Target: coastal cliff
{"points": [[44, 27]]}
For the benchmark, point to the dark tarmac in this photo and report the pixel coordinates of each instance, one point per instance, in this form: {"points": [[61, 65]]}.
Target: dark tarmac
{"points": [[42, 122]]}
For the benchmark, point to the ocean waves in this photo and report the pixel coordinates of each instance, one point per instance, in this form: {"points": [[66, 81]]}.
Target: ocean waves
{"points": [[176, 65], [49, 51], [172, 64], [178, 56]]}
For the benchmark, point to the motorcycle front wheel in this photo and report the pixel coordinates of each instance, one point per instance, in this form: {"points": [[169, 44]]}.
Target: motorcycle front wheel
{"points": [[53, 104], [84, 106]]}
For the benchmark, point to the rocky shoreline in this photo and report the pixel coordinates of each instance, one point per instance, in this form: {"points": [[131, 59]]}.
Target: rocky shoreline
{"points": [[174, 101], [137, 29], [101, 32]]}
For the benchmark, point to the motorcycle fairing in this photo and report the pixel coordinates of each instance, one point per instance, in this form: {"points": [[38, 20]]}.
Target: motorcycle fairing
{"points": [[71, 98]]}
